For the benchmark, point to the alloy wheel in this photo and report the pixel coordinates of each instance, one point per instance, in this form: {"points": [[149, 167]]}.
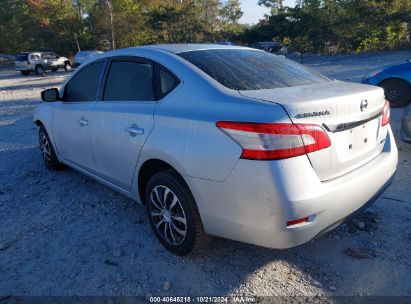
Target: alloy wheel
{"points": [[167, 215], [45, 148]]}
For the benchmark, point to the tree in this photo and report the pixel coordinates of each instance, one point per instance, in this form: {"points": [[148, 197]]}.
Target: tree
{"points": [[231, 11], [335, 25], [275, 5]]}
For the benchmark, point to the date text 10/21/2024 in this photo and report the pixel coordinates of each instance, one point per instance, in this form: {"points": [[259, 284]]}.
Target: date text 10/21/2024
{"points": [[201, 299]]}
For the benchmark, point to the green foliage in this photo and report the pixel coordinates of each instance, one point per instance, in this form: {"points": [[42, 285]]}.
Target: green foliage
{"points": [[66, 25], [336, 25], [312, 26]]}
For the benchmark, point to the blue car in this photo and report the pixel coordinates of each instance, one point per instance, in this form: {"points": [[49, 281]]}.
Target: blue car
{"points": [[396, 82]]}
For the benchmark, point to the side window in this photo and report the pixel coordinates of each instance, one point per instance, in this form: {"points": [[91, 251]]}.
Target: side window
{"points": [[129, 81], [168, 81], [34, 57], [84, 85]]}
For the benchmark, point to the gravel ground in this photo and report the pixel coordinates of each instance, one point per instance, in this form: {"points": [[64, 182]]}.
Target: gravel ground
{"points": [[64, 234]]}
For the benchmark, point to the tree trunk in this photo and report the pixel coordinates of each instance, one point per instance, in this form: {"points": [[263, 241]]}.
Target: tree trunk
{"points": [[77, 42], [110, 11]]}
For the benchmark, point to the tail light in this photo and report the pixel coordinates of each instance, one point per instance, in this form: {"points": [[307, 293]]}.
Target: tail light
{"points": [[386, 113], [296, 222], [269, 141]]}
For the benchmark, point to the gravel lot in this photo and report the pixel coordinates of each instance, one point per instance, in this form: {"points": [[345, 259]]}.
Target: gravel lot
{"points": [[64, 234]]}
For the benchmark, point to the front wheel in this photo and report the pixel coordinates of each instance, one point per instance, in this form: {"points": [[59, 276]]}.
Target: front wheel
{"points": [[47, 151], [67, 66], [173, 213], [397, 92]]}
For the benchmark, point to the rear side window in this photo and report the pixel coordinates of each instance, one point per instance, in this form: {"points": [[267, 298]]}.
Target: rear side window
{"points": [[129, 81], [242, 69], [167, 81], [34, 57], [84, 84], [21, 57]]}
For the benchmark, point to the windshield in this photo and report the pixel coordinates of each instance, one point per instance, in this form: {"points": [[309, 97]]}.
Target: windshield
{"points": [[242, 69]]}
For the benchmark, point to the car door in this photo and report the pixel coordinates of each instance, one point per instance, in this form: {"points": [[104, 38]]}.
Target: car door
{"points": [[46, 60], [72, 116], [123, 119]]}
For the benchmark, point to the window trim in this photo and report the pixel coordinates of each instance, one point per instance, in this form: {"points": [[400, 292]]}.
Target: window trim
{"points": [[104, 60], [160, 94], [135, 59]]}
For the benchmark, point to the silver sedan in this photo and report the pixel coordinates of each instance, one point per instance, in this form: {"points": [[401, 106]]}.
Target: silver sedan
{"points": [[222, 140]]}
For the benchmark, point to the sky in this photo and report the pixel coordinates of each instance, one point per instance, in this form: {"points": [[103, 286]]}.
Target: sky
{"points": [[253, 12]]}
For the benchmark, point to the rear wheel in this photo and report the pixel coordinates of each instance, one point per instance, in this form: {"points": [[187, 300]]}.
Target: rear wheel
{"points": [[39, 69], [397, 92], [47, 151], [173, 213]]}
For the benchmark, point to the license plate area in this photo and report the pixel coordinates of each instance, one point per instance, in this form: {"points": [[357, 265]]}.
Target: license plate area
{"points": [[357, 141]]}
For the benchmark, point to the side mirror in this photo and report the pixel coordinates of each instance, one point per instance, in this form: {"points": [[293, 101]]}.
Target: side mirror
{"points": [[50, 95]]}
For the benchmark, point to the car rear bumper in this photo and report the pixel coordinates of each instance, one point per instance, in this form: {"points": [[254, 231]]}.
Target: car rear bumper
{"points": [[255, 202]]}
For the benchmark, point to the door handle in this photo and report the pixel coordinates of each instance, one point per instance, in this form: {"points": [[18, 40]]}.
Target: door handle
{"points": [[134, 130], [83, 122]]}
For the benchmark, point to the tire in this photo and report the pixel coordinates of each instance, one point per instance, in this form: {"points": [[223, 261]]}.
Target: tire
{"points": [[39, 70], [397, 92], [47, 151], [25, 73], [180, 229], [67, 66]]}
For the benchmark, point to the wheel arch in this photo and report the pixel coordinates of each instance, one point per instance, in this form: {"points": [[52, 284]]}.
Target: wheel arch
{"points": [[38, 123], [148, 169], [408, 82], [42, 118]]}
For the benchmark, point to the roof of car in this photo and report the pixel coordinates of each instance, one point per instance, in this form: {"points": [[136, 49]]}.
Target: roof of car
{"points": [[181, 48]]}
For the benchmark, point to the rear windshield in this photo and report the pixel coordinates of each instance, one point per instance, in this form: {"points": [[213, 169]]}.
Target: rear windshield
{"points": [[21, 57], [241, 69]]}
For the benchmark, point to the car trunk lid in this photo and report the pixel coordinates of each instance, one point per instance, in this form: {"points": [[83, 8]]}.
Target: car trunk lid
{"points": [[350, 114]]}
